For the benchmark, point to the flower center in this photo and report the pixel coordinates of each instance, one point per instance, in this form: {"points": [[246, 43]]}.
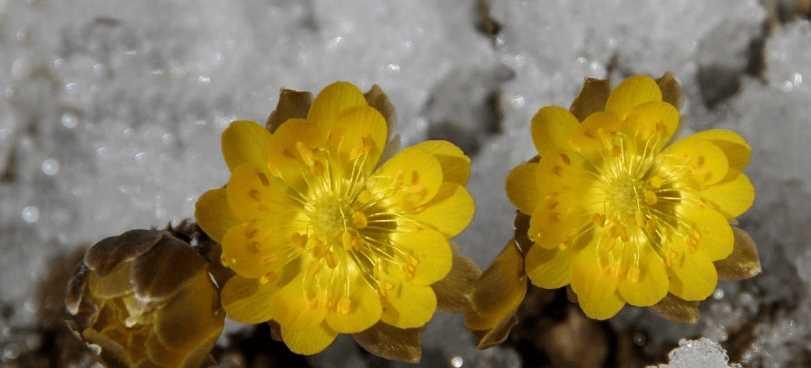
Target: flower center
{"points": [[345, 235], [636, 204]]}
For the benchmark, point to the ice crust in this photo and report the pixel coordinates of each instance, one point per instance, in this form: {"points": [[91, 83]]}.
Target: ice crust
{"points": [[110, 114]]}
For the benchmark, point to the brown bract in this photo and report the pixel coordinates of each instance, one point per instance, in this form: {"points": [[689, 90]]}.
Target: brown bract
{"points": [[145, 299]]}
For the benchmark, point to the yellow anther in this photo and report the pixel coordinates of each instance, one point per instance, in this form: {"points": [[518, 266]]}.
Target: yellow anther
{"points": [[565, 159], [656, 181], [332, 259], [650, 198], [255, 246], [385, 288], [598, 219], [359, 220], [410, 269], [315, 268], [415, 177], [557, 170], [254, 194], [305, 153], [299, 240], [348, 241], [266, 278], [364, 196], [344, 305]]}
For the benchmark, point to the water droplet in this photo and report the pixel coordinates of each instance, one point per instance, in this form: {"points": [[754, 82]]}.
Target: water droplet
{"points": [[69, 120], [50, 167], [718, 294], [30, 214], [457, 362]]}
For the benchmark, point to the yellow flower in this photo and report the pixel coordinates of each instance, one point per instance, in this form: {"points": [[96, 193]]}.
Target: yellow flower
{"points": [[618, 212], [325, 238]]}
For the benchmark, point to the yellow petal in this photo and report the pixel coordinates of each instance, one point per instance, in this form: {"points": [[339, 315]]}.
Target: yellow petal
{"points": [[360, 129], [654, 118], [413, 175], [588, 139], [252, 194], [450, 211], [213, 213], [733, 196], [455, 164], [432, 253], [595, 285], [246, 142], [308, 340], [301, 318], [650, 285], [696, 157], [694, 279], [522, 187], [591, 99], [253, 250], [248, 301], [715, 236], [292, 146], [552, 126], [550, 228], [549, 269], [409, 305], [332, 101], [361, 310], [632, 92], [736, 148]]}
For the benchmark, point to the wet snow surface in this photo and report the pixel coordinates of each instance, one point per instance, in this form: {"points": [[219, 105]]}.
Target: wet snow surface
{"points": [[110, 115]]}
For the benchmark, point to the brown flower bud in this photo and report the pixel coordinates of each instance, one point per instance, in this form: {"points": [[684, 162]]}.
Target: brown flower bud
{"points": [[145, 299]]}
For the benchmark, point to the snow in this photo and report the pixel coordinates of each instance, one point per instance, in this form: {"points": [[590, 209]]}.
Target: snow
{"points": [[110, 115]]}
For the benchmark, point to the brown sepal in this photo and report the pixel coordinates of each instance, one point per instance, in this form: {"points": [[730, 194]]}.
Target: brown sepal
{"points": [[591, 99], [292, 105], [391, 343], [275, 330], [76, 289], [495, 336], [744, 261], [165, 269], [454, 293], [499, 292], [675, 309], [671, 90], [376, 98], [105, 255]]}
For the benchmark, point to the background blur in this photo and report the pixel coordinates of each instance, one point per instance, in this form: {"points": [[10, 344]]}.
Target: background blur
{"points": [[110, 115]]}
